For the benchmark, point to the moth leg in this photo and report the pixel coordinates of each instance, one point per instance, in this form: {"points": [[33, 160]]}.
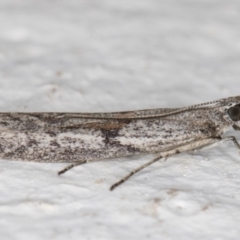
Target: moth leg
{"points": [[71, 166], [220, 141], [175, 150], [134, 171], [233, 139]]}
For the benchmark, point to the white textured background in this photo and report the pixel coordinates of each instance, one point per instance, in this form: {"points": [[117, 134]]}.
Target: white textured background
{"points": [[109, 55]]}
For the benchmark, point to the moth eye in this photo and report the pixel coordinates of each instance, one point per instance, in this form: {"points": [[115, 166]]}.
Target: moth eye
{"points": [[234, 113]]}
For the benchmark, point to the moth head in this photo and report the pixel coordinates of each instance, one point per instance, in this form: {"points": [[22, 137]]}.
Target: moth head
{"points": [[234, 114]]}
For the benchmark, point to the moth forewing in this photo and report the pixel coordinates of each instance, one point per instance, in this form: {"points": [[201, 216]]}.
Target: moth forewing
{"points": [[82, 137]]}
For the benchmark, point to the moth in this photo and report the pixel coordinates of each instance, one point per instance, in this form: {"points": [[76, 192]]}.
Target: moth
{"points": [[78, 138]]}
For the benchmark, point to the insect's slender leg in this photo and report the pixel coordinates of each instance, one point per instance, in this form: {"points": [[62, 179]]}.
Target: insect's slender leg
{"points": [[71, 166], [223, 140], [184, 148], [134, 171], [233, 139]]}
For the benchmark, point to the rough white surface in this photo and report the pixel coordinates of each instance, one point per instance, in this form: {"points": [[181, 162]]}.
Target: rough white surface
{"points": [[109, 55]]}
